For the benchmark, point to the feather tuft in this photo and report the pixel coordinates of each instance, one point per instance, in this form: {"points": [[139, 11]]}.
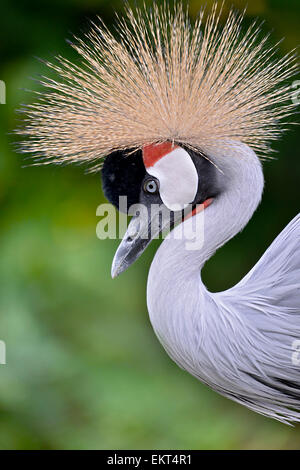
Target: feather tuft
{"points": [[162, 79]]}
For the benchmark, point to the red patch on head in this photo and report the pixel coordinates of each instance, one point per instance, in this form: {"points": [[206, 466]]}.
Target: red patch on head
{"points": [[154, 152]]}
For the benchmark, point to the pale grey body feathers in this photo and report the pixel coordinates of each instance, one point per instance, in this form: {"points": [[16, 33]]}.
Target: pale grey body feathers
{"points": [[238, 341]]}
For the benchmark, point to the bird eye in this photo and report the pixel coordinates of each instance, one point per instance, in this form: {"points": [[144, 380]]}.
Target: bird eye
{"points": [[151, 186]]}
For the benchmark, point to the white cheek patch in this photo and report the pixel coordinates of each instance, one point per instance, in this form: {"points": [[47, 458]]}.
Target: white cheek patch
{"points": [[178, 178]]}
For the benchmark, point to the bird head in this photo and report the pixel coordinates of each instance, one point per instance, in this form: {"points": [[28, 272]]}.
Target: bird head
{"points": [[153, 103], [164, 184]]}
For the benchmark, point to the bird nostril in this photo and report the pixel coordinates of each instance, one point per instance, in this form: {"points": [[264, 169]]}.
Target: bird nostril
{"points": [[132, 235]]}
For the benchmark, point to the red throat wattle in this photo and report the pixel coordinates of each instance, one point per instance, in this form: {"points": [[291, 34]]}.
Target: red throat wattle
{"points": [[199, 208]]}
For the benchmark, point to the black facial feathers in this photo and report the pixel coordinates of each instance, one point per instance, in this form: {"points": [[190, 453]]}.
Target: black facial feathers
{"points": [[122, 175], [208, 185]]}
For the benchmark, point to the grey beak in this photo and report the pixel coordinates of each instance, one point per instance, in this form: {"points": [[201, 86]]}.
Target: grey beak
{"points": [[141, 230], [131, 247]]}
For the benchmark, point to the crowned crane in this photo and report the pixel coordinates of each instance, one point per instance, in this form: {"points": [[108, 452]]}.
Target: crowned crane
{"points": [[182, 115]]}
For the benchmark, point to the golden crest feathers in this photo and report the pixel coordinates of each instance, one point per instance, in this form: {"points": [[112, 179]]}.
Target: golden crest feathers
{"points": [[162, 79]]}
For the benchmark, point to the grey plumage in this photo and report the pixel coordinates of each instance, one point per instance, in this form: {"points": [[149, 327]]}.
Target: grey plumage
{"points": [[240, 341]]}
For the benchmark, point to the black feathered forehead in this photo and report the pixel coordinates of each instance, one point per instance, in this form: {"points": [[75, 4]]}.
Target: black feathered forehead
{"points": [[122, 175]]}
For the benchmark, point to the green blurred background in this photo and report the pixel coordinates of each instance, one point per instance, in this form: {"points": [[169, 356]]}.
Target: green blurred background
{"points": [[84, 368]]}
